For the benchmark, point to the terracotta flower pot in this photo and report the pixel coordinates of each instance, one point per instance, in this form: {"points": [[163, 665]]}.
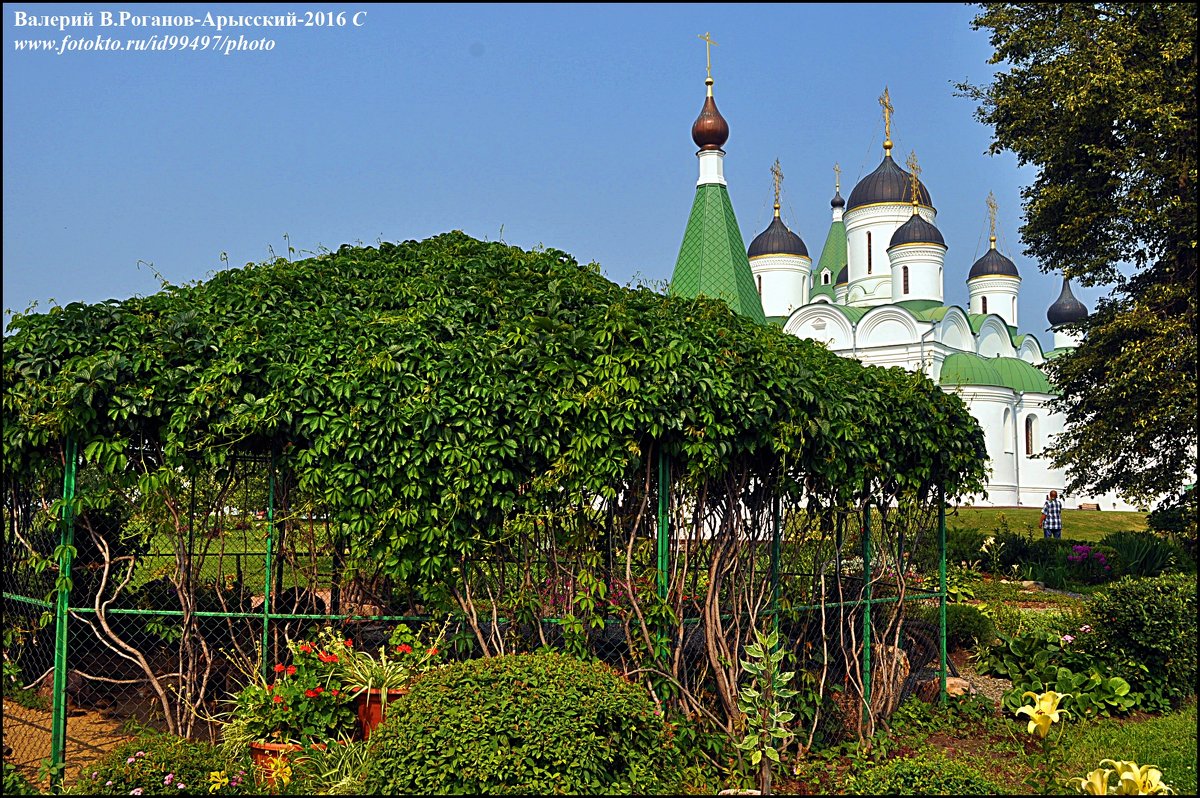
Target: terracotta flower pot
{"points": [[369, 705], [268, 758]]}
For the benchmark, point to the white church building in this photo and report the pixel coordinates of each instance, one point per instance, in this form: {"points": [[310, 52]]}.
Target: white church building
{"points": [[876, 294]]}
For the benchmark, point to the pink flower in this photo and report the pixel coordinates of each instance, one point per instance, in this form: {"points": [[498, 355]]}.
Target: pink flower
{"points": [[1068, 638]]}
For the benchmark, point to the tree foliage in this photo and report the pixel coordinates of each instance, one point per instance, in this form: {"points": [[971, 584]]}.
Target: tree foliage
{"points": [[1101, 97], [424, 392]]}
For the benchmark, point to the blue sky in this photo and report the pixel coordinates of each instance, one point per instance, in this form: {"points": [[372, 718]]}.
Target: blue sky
{"points": [[567, 126]]}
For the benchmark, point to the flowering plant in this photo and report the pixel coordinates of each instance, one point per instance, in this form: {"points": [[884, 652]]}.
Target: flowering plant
{"points": [[305, 701], [1131, 780]]}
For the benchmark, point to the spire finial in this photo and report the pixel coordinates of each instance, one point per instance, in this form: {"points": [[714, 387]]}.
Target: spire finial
{"points": [[885, 100], [991, 204], [915, 169], [837, 178], [777, 174], [708, 45]]}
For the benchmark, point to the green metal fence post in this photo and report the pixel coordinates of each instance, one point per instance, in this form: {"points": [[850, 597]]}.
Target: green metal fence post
{"points": [[266, 641], [866, 555], [775, 553], [58, 720], [664, 521], [942, 591]]}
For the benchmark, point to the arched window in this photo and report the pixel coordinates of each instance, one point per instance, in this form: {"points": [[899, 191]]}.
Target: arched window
{"points": [[824, 278], [984, 300], [868, 252], [906, 279], [1030, 434], [759, 278], [1014, 312], [1008, 431]]}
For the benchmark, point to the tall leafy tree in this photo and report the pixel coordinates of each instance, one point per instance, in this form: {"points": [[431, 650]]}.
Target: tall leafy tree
{"points": [[1101, 97]]}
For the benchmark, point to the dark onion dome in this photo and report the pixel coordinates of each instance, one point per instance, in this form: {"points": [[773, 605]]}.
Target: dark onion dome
{"points": [[1066, 308], [710, 131], [843, 276], [776, 240], [837, 201], [916, 231], [888, 183], [993, 264]]}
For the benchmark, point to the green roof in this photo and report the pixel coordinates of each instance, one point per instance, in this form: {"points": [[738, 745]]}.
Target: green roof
{"points": [[778, 321], [833, 257], [853, 313], [967, 368], [712, 259]]}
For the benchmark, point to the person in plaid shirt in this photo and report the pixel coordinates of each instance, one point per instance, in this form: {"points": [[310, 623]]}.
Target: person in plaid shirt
{"points": [[1052, 516]]}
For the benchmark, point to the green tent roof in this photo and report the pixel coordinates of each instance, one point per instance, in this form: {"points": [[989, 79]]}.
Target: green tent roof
{"points": [[967, 368], [833, 257], [712, 259]]}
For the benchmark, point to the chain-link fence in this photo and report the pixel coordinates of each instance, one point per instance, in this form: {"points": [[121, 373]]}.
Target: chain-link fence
{"points": [[169, 611]]}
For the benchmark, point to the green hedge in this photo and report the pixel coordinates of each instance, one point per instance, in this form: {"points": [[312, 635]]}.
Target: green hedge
{"points": [[523, 724], [1152, 623], [926, 773]]}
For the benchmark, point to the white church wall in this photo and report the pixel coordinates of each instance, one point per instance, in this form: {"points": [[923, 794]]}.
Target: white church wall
{"points": [[782, 282], [824, 323], [993, 339]]}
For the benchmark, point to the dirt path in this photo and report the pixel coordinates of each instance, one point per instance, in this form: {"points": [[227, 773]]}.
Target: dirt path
{"points": [[27, 732]]}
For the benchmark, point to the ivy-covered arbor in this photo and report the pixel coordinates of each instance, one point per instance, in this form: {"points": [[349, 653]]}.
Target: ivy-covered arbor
{"points": [[446, 405]]}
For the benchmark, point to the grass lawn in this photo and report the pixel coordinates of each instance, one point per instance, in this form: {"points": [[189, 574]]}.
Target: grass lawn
{"points": [[1089, 525], [1167, 742]]}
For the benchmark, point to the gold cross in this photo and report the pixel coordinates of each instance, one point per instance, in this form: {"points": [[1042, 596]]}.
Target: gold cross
{"points": [[837, 178], [916, 170], [886, 101], [777, 173], [708, 45], [991, 203]]}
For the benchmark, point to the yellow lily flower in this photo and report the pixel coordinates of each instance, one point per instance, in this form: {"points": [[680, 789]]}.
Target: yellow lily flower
{"points": [[1134, 780], [1044, 711], [1096, 782]]}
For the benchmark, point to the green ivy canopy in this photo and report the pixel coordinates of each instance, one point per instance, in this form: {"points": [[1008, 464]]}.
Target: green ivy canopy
{"points": [[425, 391]]}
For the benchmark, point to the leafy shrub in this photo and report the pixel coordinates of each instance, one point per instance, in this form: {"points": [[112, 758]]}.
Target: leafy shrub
{"points": [[1146, 554], [926, 773], [157, 764], [15, 782], [962, 545], [965, 623], [1152, 623], [1177, 520], [530, 723]]}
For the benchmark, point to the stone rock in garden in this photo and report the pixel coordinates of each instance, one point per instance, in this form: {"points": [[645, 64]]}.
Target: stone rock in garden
{"points": [[928, 686], [889, 672], [1030, 584]]}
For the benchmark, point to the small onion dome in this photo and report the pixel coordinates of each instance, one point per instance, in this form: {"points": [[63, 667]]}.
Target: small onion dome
{"points": [[916, 231], [710, 131], [993, 264], [1066, 308], [837, 201], [888, 183], [843, 276], [777, 240]]}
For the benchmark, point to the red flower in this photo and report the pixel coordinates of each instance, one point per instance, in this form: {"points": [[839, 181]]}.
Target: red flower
{"points": [[334, 693], [291, 670], [433, 652], [270, 687], [404, 648], [279, 668], [278, 699], [319, 689], [310, 693], [349, 643], [306, 648]]}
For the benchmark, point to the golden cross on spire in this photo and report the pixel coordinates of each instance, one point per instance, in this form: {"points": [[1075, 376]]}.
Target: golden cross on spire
{"points": [[885, 100], [992, 206], [777, 174], [915, 169], [837, 178], [708, 45]]}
